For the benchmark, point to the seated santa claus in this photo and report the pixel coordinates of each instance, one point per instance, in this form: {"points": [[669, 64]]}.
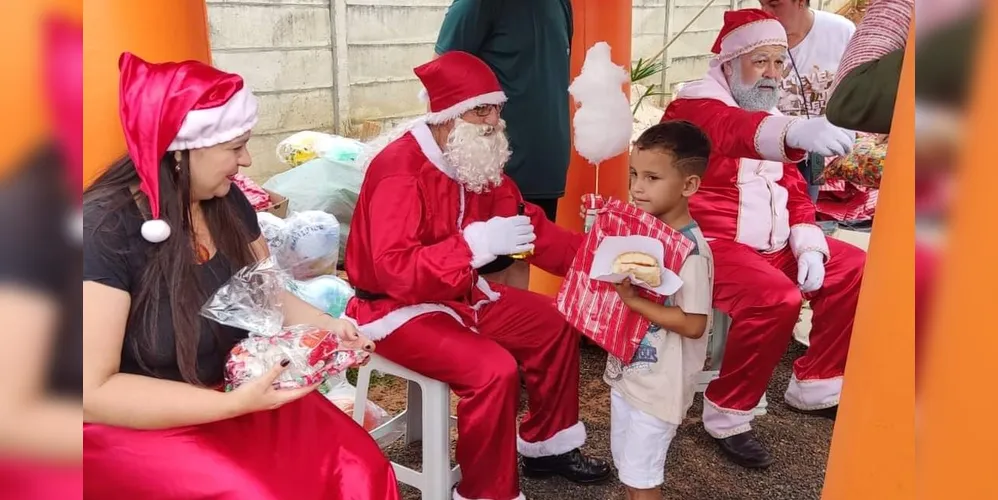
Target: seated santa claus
{"points": [[434, 208], [769, 255]]}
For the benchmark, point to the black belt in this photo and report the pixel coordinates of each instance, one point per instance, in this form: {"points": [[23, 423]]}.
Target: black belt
{"points": [[365, 295]]}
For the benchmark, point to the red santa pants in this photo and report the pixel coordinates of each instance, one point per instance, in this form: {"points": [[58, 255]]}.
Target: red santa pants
{"points": [[760, 294], [481, 368], [305, 450]]}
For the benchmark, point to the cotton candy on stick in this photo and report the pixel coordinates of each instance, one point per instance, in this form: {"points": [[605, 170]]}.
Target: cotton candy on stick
{"points": [[603, 121]]}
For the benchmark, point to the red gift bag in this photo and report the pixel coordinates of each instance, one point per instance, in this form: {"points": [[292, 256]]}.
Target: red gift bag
{"points": [[593, 307]]}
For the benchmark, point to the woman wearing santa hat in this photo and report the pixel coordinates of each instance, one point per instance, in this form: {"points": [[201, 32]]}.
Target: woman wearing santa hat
{"points": [[163, 229]]}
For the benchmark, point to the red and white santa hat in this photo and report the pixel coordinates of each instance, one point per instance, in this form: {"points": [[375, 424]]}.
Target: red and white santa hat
{"points": [[177, 106], [455, 83], [745, 30]]}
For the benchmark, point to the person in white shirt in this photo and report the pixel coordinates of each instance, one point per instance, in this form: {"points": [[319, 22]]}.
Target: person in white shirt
{"points": [[817, 40]]}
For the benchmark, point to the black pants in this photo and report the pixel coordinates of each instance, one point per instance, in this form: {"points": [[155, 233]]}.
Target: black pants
{"points": [[550, 207]]}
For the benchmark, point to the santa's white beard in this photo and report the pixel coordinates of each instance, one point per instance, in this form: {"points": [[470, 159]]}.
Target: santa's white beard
{"points": [[752, 97], [478, 154]]}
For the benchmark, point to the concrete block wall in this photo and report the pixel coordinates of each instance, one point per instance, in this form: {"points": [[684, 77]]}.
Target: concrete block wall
{"points": [[332, 65], [283, 48], [384, 40]]}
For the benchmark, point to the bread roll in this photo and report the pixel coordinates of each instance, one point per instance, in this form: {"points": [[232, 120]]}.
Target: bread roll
{"points": [[640, 265]]}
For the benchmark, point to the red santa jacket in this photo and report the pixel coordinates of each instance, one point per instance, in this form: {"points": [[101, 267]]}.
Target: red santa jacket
{"points": [[406, 246], [752, 192]]}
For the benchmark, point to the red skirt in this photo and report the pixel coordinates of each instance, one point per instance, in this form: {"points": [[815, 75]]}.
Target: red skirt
{"points": [[39, 481], [305, 450]]}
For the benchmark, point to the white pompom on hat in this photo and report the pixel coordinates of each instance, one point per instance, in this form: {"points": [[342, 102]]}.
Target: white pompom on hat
{"points": [[177, 106]]}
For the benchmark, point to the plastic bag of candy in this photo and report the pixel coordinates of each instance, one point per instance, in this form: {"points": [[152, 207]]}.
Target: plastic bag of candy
{"points": [[252, 300]]}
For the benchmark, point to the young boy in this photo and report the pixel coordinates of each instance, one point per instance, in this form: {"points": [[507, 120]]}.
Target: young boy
{"points": [[651, 393]]}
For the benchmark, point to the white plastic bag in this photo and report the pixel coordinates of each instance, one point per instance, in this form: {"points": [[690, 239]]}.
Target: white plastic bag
{"points": [[325, 185], [306, 244]]}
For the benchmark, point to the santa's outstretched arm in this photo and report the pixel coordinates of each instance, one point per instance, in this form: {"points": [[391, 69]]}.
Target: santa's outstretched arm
{"points": [[555, 246], [408, 271], [738, 133]]}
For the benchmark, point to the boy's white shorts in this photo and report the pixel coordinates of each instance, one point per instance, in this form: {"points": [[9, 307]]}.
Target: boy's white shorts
{"points": [[639, 443]]}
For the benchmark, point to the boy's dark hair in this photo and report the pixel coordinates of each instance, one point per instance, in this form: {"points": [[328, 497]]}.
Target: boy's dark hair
{"points": [[687, 143]]}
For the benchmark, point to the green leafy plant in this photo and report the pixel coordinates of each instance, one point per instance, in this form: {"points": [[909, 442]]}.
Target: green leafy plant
{"points": [[641, 70]]}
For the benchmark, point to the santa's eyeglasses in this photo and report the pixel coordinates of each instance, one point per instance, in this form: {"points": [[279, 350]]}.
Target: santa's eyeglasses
{"points": [[486, 109]]}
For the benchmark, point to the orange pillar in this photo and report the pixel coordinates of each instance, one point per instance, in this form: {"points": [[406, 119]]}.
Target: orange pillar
{"points": [[595, 21], [156, 30], [875, 428], [25, 121], [956, 452]]}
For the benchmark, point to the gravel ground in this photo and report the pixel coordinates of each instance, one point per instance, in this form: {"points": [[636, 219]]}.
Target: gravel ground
{"points": [[695, 469]]}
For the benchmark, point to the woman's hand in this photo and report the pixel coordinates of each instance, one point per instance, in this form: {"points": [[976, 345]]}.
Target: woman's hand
{"points": [[349, 337], [259, 394]]}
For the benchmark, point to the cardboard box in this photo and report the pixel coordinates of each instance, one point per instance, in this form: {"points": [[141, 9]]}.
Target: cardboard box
{"points": [[278, 204]]}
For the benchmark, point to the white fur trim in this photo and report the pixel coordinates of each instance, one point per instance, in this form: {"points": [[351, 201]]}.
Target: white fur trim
{"points": [[477, 241], [457, 496], [808, 238], [155, 230], [763, 220], [424, 96], [490, 294], [750, 36], [375, 146], [428, 145], [813, 394], [204, 128], [454, 112], [723, 423], [771, 138], [562, 442], [384, 326]]}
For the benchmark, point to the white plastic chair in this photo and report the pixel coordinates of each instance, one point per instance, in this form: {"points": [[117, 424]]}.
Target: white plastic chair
{"points": [[717, 337], [426, 418]]}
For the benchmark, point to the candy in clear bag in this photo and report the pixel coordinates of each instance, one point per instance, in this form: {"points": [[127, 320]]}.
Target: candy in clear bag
{"points": [[252, 300]]}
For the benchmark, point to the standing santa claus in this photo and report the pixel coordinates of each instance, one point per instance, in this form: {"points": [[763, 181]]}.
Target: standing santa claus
{"points": [[769, 254], [434, 208]]}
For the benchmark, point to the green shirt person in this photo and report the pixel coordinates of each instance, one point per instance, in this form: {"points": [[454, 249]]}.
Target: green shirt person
{"points": [[527, 44]]}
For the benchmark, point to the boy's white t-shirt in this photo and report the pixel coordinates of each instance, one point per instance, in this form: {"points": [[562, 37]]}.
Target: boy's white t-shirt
{"points": [[661, 378], [817, 58]]}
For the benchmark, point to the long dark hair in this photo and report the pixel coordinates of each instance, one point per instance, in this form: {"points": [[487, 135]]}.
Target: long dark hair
{"points": [[172, 266]]}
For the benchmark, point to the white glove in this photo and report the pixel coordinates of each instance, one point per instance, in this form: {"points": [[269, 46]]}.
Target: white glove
{"points": [[499, 236], [817, 135], [810, 271]]}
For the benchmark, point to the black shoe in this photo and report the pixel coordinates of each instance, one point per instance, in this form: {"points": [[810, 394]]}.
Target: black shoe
{"points": [[573, 466], [745, 450], [829, 413]]}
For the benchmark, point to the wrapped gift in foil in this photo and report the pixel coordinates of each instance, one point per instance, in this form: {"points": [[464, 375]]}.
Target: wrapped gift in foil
{"points": [[252, 300]]}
